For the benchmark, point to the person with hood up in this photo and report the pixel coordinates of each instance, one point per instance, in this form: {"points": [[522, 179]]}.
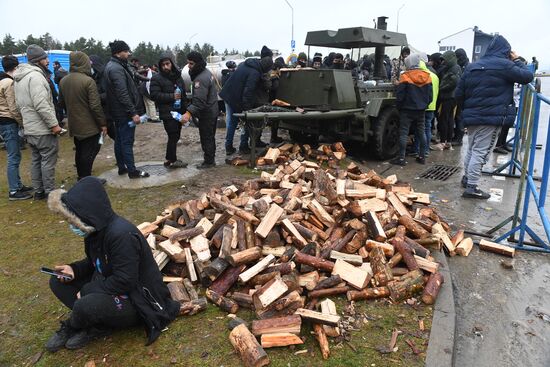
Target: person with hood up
{"points": [[485, 93], [226, 73], [302, 60], [33, 97], [163, 92], [118, 284], [79, 96], [317, 61], [448, 79], [239, 93], [413, 95], [462, 61], [10, 120], [203, 107]]}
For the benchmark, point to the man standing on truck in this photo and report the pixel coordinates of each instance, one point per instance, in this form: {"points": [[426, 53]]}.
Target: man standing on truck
{"points": [[398, 65]]}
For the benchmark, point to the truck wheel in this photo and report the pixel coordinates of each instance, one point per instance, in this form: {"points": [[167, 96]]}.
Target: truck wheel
{"points": [[386, 134], [303, 138]]}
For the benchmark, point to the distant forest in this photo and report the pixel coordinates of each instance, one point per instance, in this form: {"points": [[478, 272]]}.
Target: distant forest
{"points": [[145, 52]]}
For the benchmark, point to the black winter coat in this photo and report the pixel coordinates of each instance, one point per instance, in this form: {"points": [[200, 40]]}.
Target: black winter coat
{"points": [[204, 96], [119, 258], [240, 90], [449, 76], [162, 88], [123, 98]]}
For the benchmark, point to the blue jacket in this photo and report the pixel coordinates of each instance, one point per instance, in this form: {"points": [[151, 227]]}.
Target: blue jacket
{"points": [[239, 91], [485, 90]]}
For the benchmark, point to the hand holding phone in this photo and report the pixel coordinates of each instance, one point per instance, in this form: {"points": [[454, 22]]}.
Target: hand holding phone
{"points": [[64, 273]]}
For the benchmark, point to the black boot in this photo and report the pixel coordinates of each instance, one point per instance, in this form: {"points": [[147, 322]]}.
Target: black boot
{"points": [[82, 337], [59, 339]]}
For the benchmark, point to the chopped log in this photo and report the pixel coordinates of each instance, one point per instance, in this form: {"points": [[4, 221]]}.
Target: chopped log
{"points": [[395, 259], [321, 337], [241, 235], [413, 228], [203, 278], [338, 245], [190, 289], [375, 228], [318, 317], [439, 231], [270, 219], [185, 234], [227, 279], [217, 238], [273, 238], [178, 292], [374, 204], [168, 279], [256, 269], [215, 268], [261, 279], [280, 340], [398, 205], [285, 268], [309, 280], [190, 265], [205, 224], [387, 248], [382, 272], [269, 292], [408, 284], [271, 155], [430, 241], [147, 228], [168, 230], [201, 247], [245, 257], [260, 207], [237, 211], [417, 248], [321, 213], [313, 261], [323, 186], [174, 251], [398, 271], [193, 307], [249, 235], [243, 299], [329, 282], [362, 193], [322, 235], [224, 303], [286, 324], [496, 248], [354, 276], [329, 307], [288, 254], [368, 293], [398, 242], [465, 246], [458, 237], [426, 265], [308, 234], [327, 292], [431, 290], [349, 258], [284, 306], [356, 243], [251, 352], [289, 226]]}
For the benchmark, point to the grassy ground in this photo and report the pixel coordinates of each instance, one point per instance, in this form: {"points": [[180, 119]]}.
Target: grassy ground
{"points": [[32, 237]]}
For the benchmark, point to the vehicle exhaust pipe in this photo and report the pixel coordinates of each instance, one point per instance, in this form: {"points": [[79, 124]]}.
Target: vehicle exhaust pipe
{"points": [[379, 69]]}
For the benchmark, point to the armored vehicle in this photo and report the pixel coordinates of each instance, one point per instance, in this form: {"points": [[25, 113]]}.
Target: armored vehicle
{"points": [[332, 103]]}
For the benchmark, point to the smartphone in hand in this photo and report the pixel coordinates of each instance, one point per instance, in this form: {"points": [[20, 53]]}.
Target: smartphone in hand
{"points": [[55, 273]]}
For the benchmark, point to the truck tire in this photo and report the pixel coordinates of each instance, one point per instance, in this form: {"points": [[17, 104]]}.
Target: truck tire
{"points": [[386, 134], [303, 138]]}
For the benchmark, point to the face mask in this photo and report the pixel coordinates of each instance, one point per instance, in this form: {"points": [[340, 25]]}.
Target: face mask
{"points": [[77, 231]]}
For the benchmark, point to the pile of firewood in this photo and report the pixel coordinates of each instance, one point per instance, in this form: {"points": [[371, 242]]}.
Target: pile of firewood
{"points": [[330, 154], [282, 243]]}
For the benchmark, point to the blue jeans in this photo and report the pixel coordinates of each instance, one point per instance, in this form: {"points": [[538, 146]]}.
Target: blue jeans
{"points": [[231, 126], [124, 145], [10, 134], [427, 132]]}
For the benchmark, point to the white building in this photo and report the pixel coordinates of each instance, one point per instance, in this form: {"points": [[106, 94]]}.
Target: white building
{"points": [[472, 40]]}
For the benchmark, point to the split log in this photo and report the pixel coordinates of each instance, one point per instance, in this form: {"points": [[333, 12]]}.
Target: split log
{"points": [[313, 261], [249, 235], [329, 307], [273, 238], [190, 289], [327, 292], [218, 223], [147, 228], [318, 317], [458, 237], [193, 307], [431, 290], [354, 276], [260, 207], [243, 299], [321, 337], [227, 279], [409, 284], [395, 259], [441, 233], [178, 292], [190, 265], [289, 226], [185, 234], [323, 187], [309, 280], [284, 306], [496, 248], [286, 324], [283, 269], [375, 228], [387, 248], [224, 303], [413, 228], [270, 219], [426, 265], [271, 155], [329, 282], [215, 268], [321, 213], [373, 204], [174, 251], [256, 269], [251, 352], [245, 257], [238, 211], [280, 340], [338, 245], [269, 292], [307, 233], [398, 242], [201, 247], [356, 260], [417, 248], [465, 246], [368, 293], [356, 243], [382, 272]]}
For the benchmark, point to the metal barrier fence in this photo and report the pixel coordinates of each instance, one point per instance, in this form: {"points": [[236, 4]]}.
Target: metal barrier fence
{"points": [[523, 160]]}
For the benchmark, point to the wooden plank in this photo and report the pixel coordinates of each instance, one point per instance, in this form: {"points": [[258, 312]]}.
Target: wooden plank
{"points": [[280, 340], [190, 265], [318, 317], [354, 276], [269, 221], [397, 204], [256, 269], [496, 248]]}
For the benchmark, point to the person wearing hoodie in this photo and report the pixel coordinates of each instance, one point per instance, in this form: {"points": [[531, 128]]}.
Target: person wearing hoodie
{"points": [[118, 283], [239, 94], [163, 92], [462, 61], [430, 111], [448, 79], [413, 95], [485, 94], [203, 106], [10, 120], [79, 96], [33, 97], [302, 60], [97, 73]]}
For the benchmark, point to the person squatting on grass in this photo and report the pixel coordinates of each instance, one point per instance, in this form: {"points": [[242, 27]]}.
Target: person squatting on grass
{"points": [[118, 284]]}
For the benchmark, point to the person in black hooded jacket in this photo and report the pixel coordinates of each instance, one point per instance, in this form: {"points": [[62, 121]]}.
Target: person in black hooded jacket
{"points": [[97, 73], [163, 92], [118, 283]]}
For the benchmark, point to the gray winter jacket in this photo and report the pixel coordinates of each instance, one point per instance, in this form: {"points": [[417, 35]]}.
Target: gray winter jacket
{"points": [[204, 101], [33, 98]]}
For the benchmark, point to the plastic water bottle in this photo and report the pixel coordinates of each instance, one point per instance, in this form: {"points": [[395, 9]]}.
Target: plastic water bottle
{"points": [[101, 140], [142, 119], [177, 116], [177, 102]]}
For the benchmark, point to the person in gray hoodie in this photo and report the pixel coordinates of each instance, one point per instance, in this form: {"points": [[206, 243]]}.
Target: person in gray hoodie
{"points": [[33, 97]]}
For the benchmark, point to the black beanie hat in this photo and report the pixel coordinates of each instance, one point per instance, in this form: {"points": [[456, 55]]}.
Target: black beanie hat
{"points": [[9, 62], [196, 57], [266, 52], [118, 46]]}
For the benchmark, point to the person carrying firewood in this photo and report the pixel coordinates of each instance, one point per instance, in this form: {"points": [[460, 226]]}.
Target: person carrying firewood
{"points": [[118, 284]]}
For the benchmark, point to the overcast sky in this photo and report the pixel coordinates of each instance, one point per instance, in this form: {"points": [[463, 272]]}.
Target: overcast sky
{"points": [[248, 24]]}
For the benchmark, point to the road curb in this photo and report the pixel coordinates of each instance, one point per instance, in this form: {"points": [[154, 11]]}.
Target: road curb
{"points": [[440, 351]]}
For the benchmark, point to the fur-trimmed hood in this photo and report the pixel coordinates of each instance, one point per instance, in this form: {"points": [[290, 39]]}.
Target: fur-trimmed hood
{"points": [[86, 205]]}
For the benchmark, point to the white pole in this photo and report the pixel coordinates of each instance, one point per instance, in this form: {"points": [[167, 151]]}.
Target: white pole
{"points": [[292, 14], [399, 10]]}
